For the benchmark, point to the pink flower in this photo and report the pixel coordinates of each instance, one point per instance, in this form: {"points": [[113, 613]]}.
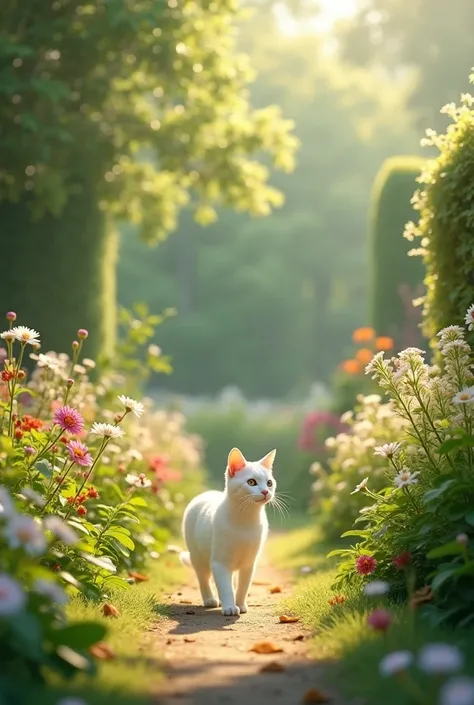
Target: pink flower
{"points": [[380, 620], [79, 453], [316, 427], [11, 316], [365, 565], [402, 560], [69, 420], [82, 333]]}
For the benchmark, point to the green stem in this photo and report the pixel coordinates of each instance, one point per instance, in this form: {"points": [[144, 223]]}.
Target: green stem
{"points": [[58, 487], [89, 474]]}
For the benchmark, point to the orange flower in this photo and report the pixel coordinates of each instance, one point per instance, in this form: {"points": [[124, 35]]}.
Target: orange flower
{"points": [[351, 367], [363, 335], [364, 356], [384, 343]]}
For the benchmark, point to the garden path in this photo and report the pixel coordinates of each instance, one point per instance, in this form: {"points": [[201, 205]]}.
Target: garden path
{"points": [[208, 659]]}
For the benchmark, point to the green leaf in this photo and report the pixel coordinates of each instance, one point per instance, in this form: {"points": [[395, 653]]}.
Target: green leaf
{"points": [[453, 444], [469, 517], [101, 562], [338, 552], [438, 491], [44, 468], [79, 636], [453, 548], [363, 533], [442, 577], [138, 502], [121, 538], [116, 583]]}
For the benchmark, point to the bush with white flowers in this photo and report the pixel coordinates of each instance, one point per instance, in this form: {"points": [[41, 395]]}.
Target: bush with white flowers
{"points": [[90, 487], [356, 462], [422, 521]]}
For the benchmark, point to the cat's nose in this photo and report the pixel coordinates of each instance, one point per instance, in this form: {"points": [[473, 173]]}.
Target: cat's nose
{"points": [[264, 492]]}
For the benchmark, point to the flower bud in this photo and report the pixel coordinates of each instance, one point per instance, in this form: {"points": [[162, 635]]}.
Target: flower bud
{"points": [[82, 333], [11, 316], [463, 539], [75, 345]]}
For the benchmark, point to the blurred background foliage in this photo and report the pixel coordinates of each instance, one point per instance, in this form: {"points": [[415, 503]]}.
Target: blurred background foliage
{"points": [[265, 136]]}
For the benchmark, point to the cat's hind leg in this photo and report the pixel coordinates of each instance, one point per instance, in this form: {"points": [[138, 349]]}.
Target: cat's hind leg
{"points": [[203, 573]]}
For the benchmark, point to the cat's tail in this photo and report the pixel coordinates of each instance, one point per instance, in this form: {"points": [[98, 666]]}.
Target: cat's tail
{"points": [[185, 558]]}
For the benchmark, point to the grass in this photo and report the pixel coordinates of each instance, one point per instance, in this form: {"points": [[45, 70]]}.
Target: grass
{"points": [[342, 637], [128, 678]]}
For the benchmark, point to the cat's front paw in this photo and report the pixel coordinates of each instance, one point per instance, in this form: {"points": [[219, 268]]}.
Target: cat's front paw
{"points": [[231, 611], [243, 608], [211, 602]]}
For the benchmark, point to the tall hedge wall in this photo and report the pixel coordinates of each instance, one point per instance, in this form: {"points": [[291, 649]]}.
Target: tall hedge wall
{"points": [[392, 268]]}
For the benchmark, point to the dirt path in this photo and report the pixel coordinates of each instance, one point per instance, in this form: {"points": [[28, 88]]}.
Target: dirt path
{"points": [[207, 657]]}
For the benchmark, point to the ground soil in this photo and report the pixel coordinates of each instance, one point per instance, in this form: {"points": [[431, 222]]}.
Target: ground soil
{"points": [[207, 657]]}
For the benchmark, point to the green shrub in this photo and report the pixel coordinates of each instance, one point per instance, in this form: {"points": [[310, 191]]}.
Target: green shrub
{"points": [[423, 519], [64, 273], [446, 221], [396, 278]]}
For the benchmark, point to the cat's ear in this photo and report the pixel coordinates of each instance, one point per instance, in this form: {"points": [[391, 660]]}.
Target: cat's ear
{"points": [[268, 460], [235, 462]]}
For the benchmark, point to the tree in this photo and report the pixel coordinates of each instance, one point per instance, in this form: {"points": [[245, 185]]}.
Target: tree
{"points": [[424, 36], [273, 299], [116, 111]]}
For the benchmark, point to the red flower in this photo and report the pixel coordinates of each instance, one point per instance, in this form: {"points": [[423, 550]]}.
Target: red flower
{"points": [[365, 565], [380, 620], [18, 434], [92, 492], [7, 375], [402, 560], [82, 511], [29, 423], [316, 427], [80, 499], [71, 500]]}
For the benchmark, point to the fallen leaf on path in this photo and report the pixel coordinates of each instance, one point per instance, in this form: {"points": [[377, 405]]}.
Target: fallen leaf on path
{"points": [[266, 647], [315, 696], [261, 582], [190, 612], [102, 651], [272, 667], [275, 589], [110, 610], [189, 639], [284, 619], [185, 602], [298, 637], [139, 577], [422, 595]]}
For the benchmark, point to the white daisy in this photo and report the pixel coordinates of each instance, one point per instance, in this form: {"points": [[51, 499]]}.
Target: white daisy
{"points": [[469, 317], [361, 486], [12, 596], [7, 335], [7, 508], [61, 530], [130, 404], [376, 588], [457, 691], [388, 450], [51, 363], [396, 662], [107, 430], [87, 362], [33, 496], [26, 335], [440, 659], [465, 396], [138, 480], [405, 478], [50, 590], [23, 531], [452, 331]]}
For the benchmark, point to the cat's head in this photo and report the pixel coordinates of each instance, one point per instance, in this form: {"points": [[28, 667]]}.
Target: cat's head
{"points": [[250, 481]]}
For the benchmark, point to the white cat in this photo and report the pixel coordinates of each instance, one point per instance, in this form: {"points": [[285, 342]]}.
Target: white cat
{"points": [[225, 531]]}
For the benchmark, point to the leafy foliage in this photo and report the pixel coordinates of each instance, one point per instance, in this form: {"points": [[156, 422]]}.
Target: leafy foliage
{"points": [[76, 518], [425, 514], [446, 220], [299, 276], [396, 278]]}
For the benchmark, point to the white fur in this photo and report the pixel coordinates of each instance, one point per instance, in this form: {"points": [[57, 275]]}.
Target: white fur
{"points": [[225, 531]]}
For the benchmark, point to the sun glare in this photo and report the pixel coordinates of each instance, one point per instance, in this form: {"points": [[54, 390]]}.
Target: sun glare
{"points": [[330, 11]]}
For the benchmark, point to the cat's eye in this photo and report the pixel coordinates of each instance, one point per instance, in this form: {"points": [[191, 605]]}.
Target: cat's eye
{"points": [[269, 483], [252, 482]]}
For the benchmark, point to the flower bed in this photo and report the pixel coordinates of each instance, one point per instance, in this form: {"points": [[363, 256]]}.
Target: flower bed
{"points": [[90, 489]]}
